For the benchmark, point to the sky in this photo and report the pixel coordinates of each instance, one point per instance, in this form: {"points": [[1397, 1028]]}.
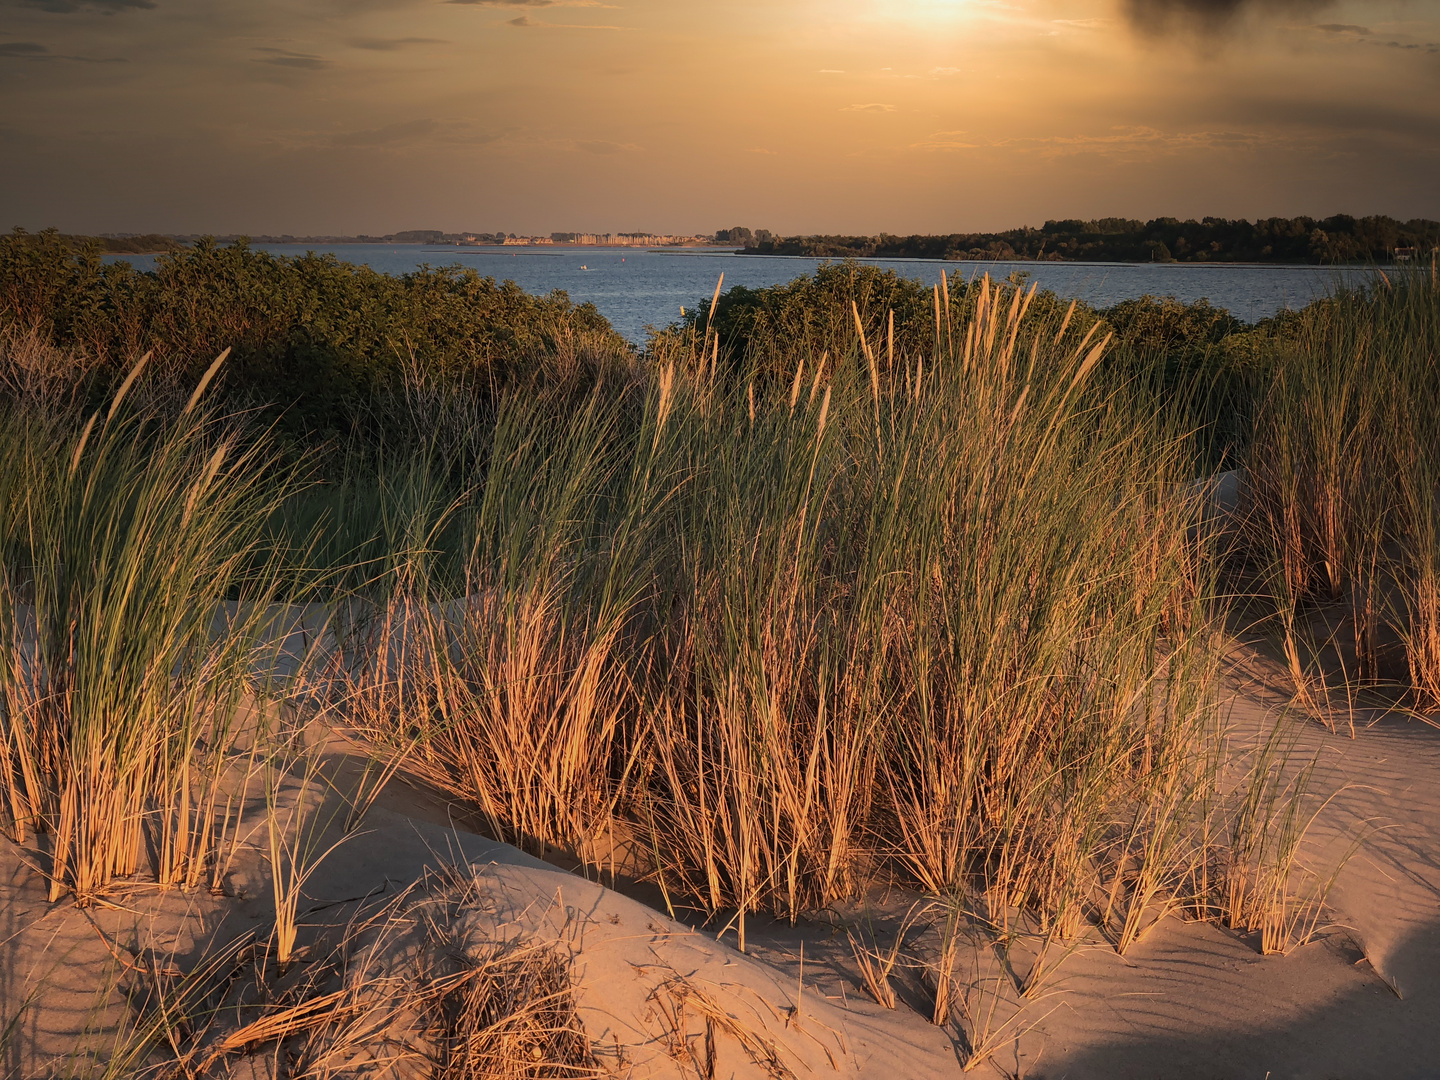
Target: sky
{"points": [[799, 116]]}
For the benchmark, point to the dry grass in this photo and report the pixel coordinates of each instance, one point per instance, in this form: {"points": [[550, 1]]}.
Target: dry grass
{"points": [[402, 989], [126, 674], [678, 999], [38, 373], [1341, 488], [950, 622], [876, 965], [509, 1014]]}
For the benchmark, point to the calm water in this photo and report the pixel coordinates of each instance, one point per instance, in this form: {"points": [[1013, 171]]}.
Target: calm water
{"points": [[634, 288]]}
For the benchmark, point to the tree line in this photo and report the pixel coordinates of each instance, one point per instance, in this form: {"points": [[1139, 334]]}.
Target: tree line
{"points": [[1338, 239]]}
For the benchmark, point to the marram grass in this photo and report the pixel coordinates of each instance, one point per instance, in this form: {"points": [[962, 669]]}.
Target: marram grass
{"points": [[131, 621], [763, 637], [947, 618]]}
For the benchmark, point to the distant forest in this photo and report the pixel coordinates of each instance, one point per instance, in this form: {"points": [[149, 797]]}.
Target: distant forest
{"points": [[1338, 239]]}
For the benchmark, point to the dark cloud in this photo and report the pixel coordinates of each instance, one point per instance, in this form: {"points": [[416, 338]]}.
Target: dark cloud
{"points": [[1428, 46], [527, 23], [1344, 28], [1206, 17], [287, 59], [1407, 120], [33, 50], [70, 7], [393, 44]]}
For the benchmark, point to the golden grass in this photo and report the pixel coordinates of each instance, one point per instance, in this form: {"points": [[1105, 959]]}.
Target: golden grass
{"points": [[126, 676], [952, 622], [1340, 490]]}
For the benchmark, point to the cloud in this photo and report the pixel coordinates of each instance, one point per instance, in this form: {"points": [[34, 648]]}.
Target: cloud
{"points": [[944, 140], [600, 146], [1343, 28], [33, 50], [1127, 142], [404, 136], [1429, 46], [1209, 18], [70, 7], [527, 23], [832, 71], [389, 135], [392, 44], [287, 59], [941, 72], [1408, 119], [874, 107]]}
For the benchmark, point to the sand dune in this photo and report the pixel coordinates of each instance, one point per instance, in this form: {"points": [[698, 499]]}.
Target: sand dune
{"points": [[1190, 1000]]}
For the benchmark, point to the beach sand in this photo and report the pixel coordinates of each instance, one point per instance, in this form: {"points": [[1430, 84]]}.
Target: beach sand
{"points": [[668, 997]]}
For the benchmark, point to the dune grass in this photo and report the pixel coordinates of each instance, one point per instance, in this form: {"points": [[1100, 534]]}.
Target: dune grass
{"points": [[945, 617], [764, 628], [1341, 484], [132, 619]]}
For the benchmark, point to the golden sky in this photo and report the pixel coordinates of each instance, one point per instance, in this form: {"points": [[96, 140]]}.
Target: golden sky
{"points": [[315, 116]]}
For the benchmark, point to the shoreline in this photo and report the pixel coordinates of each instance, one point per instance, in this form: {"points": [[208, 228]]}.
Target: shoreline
{"points": [[543, 249]]}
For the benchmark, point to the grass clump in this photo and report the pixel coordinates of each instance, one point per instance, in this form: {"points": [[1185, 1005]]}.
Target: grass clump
{"points": [[132, 621], [942, 616], [399, 987], [1340, 490]]}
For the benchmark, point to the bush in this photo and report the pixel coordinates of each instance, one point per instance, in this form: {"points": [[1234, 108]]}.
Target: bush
{"points": [[318, 338]]}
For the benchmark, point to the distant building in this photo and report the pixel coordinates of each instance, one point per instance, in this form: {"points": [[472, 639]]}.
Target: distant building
{"points": [[606, 239], [628, 239]]}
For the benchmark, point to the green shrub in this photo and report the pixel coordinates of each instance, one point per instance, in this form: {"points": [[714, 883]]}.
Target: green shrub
{"points": [[318, 338]]}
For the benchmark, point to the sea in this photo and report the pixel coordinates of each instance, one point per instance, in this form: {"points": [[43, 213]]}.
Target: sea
{"points": [[637, 288]]}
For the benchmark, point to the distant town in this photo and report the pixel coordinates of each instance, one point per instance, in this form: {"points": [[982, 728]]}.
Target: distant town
{"points": [[646, 240], [734, 237]]}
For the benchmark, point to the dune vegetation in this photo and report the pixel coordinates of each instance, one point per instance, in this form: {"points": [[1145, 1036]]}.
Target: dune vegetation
{"points": [[835, 586]]}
